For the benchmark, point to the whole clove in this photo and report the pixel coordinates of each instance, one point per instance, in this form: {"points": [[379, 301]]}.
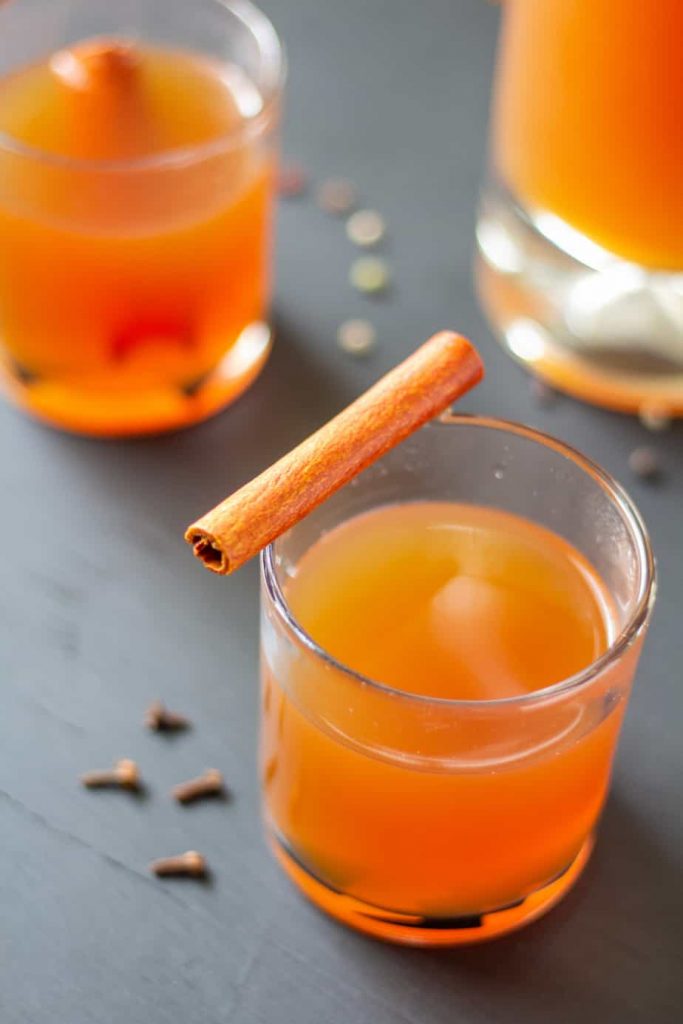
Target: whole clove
{"points": [[654, 418], [365, 228], [191, 864], [209, 784], [337, 196], [292, 181], [542, 392], [357, 337], [124, 774], [160, 719], [644, 462]]}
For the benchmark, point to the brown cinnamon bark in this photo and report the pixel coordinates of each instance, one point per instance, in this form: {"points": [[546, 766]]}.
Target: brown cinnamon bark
{"points": [[441, 370], [96, 65]]}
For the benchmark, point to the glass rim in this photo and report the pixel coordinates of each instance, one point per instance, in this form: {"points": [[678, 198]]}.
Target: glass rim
{"points": [[637, 619], [274, 61]]}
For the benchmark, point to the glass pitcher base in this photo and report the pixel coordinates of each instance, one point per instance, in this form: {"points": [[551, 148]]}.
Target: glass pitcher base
{"points": [[427, 932], [602, 329], [103, 413]]}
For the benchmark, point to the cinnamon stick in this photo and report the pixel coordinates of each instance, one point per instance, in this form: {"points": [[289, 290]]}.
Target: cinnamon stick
{"points": [[441, 370], [104, 96], [96, 64]]}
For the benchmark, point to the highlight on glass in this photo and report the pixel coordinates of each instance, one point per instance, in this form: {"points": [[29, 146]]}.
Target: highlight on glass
{"points": [[137, 158], [448, 646]]}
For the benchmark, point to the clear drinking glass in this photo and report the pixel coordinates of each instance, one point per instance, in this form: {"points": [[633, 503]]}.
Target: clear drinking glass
{"points": [[498, 799], [137, 156], [580, 233]]}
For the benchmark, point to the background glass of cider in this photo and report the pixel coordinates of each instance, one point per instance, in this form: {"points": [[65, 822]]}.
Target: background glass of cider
{"points": [[137, 160], [581, 226], [410, 814]]}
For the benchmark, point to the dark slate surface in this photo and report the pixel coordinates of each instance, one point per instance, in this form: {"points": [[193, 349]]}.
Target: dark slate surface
{"points": [[102, 608]]}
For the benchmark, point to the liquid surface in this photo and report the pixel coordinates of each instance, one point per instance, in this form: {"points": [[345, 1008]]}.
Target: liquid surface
{"points": [[588, 119], [108, 100], [451, 601]]}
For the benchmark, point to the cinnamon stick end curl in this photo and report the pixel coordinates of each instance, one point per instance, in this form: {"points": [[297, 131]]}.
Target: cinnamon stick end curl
{"points": [[208, 550]]}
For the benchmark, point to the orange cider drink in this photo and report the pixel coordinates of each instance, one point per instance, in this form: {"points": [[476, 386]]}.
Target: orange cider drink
{"points": [[136, 185], [581, 226], [588, 120], [437, 740]]}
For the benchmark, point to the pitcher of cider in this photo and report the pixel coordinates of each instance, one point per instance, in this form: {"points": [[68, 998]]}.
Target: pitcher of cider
{"points": [[580, 236]]}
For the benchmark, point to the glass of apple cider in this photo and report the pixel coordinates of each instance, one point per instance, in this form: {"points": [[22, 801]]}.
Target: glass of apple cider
{"points": [[137, 157], [448, 646], [581, 227]]}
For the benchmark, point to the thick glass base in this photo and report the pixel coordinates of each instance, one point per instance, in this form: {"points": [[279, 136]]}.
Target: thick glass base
{"points": [[101, 412], [409, 930], [605, 330]]}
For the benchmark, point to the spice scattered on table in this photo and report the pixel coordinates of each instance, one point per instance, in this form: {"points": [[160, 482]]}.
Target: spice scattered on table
{"points": [[654, 418], [644, 462], [292, 181], [124, 774], [365, 228], [357, 337], [209, 784], [337, 196], [191, 865], [542, 393], [370, 274], [160, 719]]}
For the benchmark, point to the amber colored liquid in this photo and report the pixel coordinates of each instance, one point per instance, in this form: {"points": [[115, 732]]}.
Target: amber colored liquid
{"points": [[446, 601], [588, 119], [126, 278]]}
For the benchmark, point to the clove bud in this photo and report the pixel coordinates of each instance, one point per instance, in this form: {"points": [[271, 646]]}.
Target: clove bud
{"points": [[191, 864], [209, 784], [124, 774], [160, 719]]}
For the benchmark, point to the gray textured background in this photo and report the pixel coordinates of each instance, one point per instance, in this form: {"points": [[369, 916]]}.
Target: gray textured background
{"points": [[102, 608]]}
